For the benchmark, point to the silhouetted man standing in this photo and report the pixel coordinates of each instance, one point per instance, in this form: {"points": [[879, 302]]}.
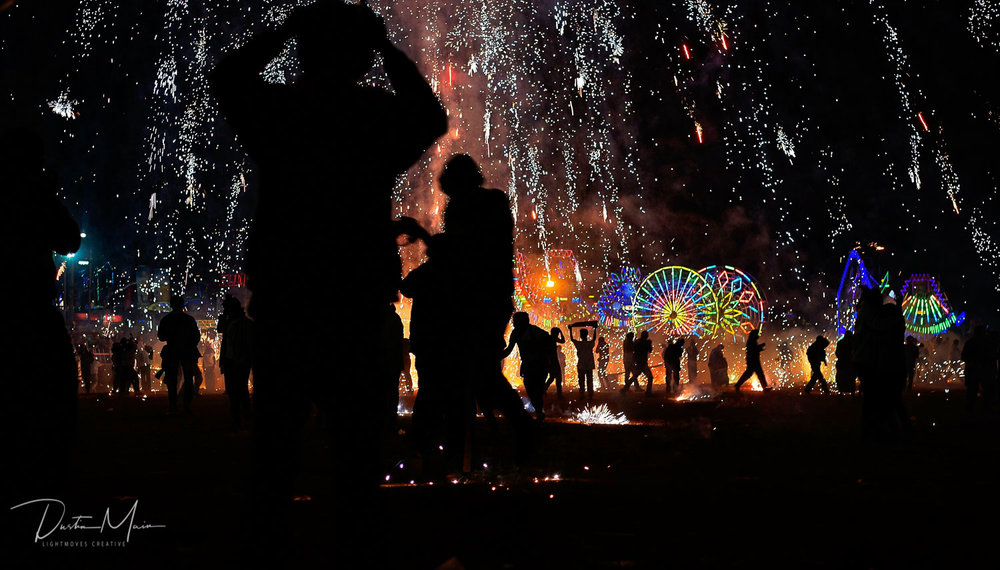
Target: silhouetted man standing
{"points": [[180, 331], [236, 359], [718, 367], [329, 151], [584, 356], [672, 361]]}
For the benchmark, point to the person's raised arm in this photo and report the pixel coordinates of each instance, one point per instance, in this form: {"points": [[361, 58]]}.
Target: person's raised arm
{"points": [[236, 78], [510, 346]]}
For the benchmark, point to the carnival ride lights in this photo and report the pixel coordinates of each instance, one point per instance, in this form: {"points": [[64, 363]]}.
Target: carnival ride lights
{"points": [[676, 300], [614, 306], [854, 279], [740, 306], [925, 307]]}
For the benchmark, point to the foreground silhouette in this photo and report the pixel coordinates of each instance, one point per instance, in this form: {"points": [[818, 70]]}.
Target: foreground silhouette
{"points": [[39, 401], [328, 151]]}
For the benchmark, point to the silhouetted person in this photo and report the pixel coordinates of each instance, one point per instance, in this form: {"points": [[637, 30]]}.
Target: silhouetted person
{"points": [[640, 360], [236, 360], [846, 375], [692, 360], [39, 400], [816, 355], [437, 409], [533, 346], [881, 364], [672, 363], [123, 356], [979, 355], [477, 244], [144, 366], [718, 367], [180, 331], [754, 365], [556, 361], [603, 359], [628, 361], [329, 151], [86, 363], [584, 356], [911, 351]]}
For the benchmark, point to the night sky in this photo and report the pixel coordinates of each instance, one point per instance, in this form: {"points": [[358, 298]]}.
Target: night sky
{"points": [[822, 72]]}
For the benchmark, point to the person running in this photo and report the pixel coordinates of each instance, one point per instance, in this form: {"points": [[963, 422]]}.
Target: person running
{"points": [[584, 356], [533, 345], [753, 361], [816, 355]]}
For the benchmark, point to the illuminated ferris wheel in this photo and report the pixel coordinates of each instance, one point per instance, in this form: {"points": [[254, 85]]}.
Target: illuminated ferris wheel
{"points": [[618, 296], [676, 301], [740, 304], [925, 308]]}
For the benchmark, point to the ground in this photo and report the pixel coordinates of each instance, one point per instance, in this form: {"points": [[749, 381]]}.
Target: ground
{"points": [[779, 479]]}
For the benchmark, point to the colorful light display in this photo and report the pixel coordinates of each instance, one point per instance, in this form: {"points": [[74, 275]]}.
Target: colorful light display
{"points": [[740, 305], [925, 307], [855, 277], [675, 301], [614, 306]]}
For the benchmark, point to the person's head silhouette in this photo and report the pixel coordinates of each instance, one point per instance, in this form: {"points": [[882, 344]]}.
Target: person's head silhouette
{"points": [[177, 302], [336, 42], [521, 320], [460, 173], [583, 334]]}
